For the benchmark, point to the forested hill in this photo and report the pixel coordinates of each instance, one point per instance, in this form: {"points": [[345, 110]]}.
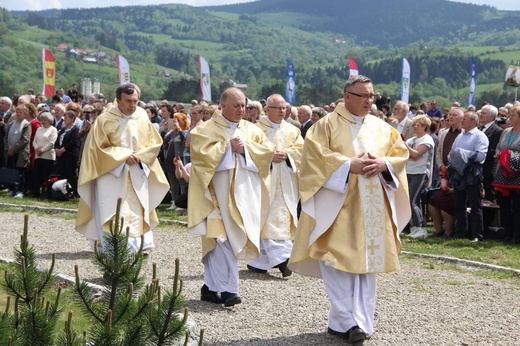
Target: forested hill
{"points": [[249, 44], [395, 23]]}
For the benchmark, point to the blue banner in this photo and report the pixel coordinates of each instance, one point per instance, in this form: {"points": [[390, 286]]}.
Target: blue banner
{"points": [[290, 88], [473, 83]]}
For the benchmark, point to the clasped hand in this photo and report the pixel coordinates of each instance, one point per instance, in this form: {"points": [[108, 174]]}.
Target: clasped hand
{"points": [[369, 166], [132, 160], [279, 156], [237, 145]]}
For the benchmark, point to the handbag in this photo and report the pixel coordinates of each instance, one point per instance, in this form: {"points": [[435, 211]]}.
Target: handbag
{"points": [[507, 178], [9, 176]]}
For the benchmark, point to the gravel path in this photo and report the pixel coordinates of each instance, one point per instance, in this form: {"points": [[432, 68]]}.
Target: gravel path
{"points": [[425, 303]]}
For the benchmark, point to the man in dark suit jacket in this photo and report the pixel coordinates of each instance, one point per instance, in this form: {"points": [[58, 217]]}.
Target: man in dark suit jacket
{"points": [[304, 117], [493, 132], [5, 115]]}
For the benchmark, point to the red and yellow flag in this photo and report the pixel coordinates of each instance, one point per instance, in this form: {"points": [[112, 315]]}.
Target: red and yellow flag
{"points": [[49, 73]]}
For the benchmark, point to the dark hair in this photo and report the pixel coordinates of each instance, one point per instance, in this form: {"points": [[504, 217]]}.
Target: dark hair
{"points": [[128, 89], [356, 79]]}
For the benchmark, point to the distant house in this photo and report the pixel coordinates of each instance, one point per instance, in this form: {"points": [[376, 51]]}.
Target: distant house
{"points": [[62, 48], [74, 53], [89, 60], [163, 73]]}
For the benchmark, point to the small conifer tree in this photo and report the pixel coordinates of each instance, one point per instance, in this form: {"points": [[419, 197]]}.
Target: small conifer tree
{"points": [[126, 312], [33, 318]]}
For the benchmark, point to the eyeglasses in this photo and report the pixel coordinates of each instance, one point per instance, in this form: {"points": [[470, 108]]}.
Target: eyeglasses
{"points": [[282, 108], [87, 112], [416, 125], [249, 108], [364, 96]]}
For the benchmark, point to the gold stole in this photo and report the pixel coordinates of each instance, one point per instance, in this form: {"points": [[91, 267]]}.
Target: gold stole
{"points": [[372, 198]]}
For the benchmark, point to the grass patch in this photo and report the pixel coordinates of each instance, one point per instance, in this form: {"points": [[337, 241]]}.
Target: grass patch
{"points": [[66, 301], [489, 251]]}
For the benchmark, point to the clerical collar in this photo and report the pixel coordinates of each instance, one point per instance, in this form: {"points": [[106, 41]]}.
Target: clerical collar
{"points": [[274, 125], [123, 114], [231, 124], [358, 119]]}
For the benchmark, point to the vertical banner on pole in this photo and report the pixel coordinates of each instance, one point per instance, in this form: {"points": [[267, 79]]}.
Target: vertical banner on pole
{"points": [[405, 81], [353, 67], [123, 70], [205, 79], [49, 73], [290, 87], [472, 84]]}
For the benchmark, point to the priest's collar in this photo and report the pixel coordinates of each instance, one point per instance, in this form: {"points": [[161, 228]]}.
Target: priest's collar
{"points": [[274, 125], [358, 119], [124, 115], [231, 124]]}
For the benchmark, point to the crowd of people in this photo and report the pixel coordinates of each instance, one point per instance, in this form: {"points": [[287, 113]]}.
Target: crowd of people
{"points": [[322, 191]]}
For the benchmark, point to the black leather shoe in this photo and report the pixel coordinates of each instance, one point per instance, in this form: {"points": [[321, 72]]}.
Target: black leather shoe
{"points": [[354, 335], [256, 270], [283, 269], [230, 299], [209, 296]]}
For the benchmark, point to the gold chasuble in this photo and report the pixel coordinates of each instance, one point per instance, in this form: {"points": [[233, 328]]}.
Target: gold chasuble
{"points": [[356, 231], [104, 176], [229, 204], [283, 181]]}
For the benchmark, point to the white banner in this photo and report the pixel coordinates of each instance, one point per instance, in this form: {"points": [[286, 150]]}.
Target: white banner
{"points": [[405, 81], [205, 80], [123, 70]]}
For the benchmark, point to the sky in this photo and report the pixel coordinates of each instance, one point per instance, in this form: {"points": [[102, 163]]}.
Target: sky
{"points": [[36, 5]]}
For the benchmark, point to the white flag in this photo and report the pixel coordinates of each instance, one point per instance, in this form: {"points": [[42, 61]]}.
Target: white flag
{"points": [[205, 80], [405, 81], [123, 70]]}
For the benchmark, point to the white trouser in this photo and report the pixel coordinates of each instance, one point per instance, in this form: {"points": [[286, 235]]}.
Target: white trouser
{"points": [[134, 243], [221, 268], [352, 297], [272, 253]]}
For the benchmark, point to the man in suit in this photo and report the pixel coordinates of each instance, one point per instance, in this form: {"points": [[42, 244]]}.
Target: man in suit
{"points": [[304, 117], [5, 115], [288, 118], [402, 122], [493, 132]]}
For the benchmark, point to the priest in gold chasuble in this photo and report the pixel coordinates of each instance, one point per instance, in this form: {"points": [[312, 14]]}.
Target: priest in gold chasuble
{"points": [[354, 196], [228, 196], [280, 227], [120, 161]]}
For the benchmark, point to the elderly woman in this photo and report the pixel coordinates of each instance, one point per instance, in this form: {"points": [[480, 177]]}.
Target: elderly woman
{"points": [[17, 143], [419, 172], [67, 151], [43, 146], [254, 111], [174, 142], [58, 111], [31, 117], [507, 179]]}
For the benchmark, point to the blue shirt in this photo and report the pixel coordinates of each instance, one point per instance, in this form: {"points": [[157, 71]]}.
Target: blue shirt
{"points": [[474, 141]]}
